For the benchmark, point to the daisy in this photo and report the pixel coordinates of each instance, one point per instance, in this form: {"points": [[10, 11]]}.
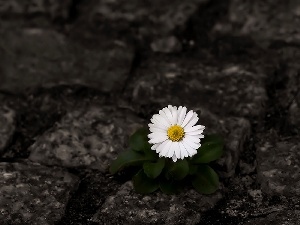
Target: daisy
{"points": [[174, 134]]}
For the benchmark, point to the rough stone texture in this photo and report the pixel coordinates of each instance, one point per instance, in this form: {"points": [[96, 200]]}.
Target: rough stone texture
{"points": [[285, 217], [86, 137], [278, 163], [237, 132], [128, 207], [191, 82], [7, 126], [36, 57], [33, 194], [264, 20], [289, 97], [53, 9], [138, 19]]}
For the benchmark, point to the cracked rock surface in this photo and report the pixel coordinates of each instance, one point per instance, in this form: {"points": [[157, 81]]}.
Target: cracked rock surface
{"points": [[33, 194], [77, 78]]}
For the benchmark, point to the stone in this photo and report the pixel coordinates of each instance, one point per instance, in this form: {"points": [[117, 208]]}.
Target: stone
{"points": [[147, 19], [283, 217], [234, 130], [289, 97], [53, 9], [90, 195], [34, 57], [237, 132], [89, 137], [128, 207], [244, 201], [231, 89], [166, 45], [33, 194], [249, 18], [7, 126], [278, 169]]}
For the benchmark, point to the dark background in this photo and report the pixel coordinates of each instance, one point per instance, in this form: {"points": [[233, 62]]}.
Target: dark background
{"points": [[78, 77]]}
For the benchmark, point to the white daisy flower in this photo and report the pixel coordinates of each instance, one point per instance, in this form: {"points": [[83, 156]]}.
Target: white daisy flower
{"points": [[174, 134]]}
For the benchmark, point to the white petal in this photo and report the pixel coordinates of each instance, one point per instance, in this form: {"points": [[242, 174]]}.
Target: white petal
{"points": [[188, 148], [161, 120], [197, 132], [183, 151], [153, 147], [193, 138], [171, 150], [194, 128], [181, 116], [164, 115], [158, 139], [187, 118], [156, 129], [177, 150], [157, 135], [165, 150], [191, 142], [158, 126], [174, 158], [174, 114], [168, 113], [193, 121], [161, 146]]}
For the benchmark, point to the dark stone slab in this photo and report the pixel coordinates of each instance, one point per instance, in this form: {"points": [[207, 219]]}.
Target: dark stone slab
{"points": [[266, 21], [34, 57], [86, 137], [235, 132], [51, 9], [33, 194], [7, 126], [286, 217], [152, 20], [128, 207], [289, 97], [278, 167], [245, 203], [226, 88]]}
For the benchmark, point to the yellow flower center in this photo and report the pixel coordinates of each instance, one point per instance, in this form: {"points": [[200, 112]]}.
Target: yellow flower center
{"points": [[175, 133]]}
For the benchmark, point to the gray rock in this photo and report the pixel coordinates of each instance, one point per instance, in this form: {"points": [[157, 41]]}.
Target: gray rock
{"points": [[223, 88], [141, 19], [33, 194], [238, 131], [235, 132], [88, 137], [53, 9], [128, 207], [34, 57], [266, 21], [289, 98], [7, 126], [284, 217], [278, 169]]}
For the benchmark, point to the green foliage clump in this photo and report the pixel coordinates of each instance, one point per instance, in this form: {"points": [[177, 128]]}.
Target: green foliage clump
{"points": [[162, 173]]}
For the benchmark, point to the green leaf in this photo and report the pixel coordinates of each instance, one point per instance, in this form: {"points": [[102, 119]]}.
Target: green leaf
{"points": [[193, 169], [153, 170], [211, 149], [178, 170], [206, 181], [127, 158], [143, 184], [138, 141], [169, 187]]}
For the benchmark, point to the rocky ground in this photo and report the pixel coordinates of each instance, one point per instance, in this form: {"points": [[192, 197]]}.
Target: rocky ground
{"points": [[78, 77]]}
